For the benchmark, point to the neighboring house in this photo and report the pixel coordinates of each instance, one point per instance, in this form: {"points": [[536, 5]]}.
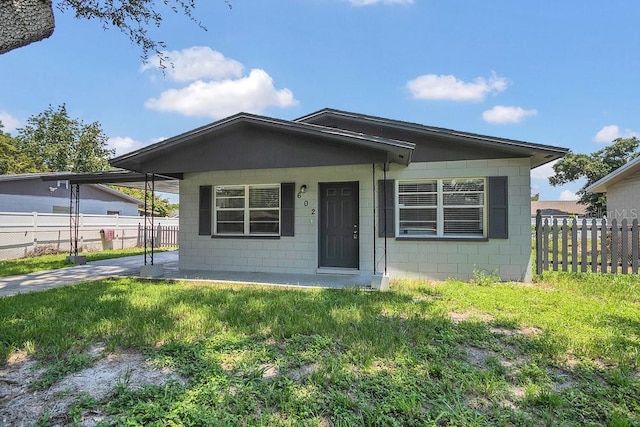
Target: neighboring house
{"points": [[622, 187], [29, 193], [558, 208], [338, 192]]}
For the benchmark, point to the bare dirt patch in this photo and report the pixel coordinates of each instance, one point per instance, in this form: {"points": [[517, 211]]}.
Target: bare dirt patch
{"points": [[478, 356], [21, 406], [457, 317], [303, 371], [527, 330], [463, 317]]}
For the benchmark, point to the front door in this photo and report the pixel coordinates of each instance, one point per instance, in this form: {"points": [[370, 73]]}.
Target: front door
{"points": [[339, 225]]}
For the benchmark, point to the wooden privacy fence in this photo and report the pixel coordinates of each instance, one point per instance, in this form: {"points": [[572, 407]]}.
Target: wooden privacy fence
{"points": [[581, 245], [163, 236]]}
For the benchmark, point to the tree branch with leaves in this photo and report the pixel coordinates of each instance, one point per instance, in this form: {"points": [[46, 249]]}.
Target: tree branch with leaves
{"points": [[12, 160], [33, 21], [134, 18], [593, 167], [58, 143]]}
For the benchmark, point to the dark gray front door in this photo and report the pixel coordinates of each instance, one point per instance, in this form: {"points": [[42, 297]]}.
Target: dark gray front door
{"points": [[339, 225]]}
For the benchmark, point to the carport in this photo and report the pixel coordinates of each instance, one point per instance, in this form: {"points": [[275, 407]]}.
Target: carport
{"points": [[150, 183]]}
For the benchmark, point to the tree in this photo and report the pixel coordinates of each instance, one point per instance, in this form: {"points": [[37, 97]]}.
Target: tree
{"points": [[535, 197], [58, 143], [592, 167], [11, 159], [161, 206], [29, 22]]}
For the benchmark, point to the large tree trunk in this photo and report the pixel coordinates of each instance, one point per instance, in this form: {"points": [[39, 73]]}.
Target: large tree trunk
{"points": [[23, 22]]}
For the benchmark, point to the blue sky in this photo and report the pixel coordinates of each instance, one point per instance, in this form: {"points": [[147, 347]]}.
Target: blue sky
{"points": [[556, 73]]}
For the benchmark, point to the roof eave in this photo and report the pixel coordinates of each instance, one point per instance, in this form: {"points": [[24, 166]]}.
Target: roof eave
{"points": [[117, 193], [603, 184], [547, 153]]}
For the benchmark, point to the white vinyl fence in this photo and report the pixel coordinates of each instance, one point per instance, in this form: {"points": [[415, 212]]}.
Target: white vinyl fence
{"points": [[26, 234]]}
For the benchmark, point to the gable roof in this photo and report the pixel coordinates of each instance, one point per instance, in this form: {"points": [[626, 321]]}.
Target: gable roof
{"points": [[249, 141], [394, 150], [623, 172], [539, 153]]}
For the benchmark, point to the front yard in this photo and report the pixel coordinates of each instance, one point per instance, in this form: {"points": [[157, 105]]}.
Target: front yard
{"points": [[564, 351]]}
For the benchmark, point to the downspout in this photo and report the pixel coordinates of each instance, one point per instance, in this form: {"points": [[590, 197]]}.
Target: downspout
{"points": [[373, 193], [384, 172]]}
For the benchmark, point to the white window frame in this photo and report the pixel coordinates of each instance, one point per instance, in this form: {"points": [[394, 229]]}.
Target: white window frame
{"points": [[440, 234], [246, 209]]}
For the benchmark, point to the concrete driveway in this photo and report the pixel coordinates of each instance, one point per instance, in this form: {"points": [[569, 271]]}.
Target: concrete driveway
{"points": [[96, 270], [130, 267]]}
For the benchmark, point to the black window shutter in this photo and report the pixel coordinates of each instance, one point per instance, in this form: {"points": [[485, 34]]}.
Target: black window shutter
{"points": [[204, 211], [386, 193], [287, 208], [498, 207]]}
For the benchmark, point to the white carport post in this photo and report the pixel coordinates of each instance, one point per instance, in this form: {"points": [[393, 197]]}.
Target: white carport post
{"points": [[149, 269], [380, 281]]}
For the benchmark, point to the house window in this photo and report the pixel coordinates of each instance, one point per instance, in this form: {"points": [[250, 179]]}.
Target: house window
{"points": [[442, 208], [247, 210]]}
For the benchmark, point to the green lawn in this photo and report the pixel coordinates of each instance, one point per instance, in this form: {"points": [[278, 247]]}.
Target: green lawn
{"points": [[564, 351], [12, 267]]}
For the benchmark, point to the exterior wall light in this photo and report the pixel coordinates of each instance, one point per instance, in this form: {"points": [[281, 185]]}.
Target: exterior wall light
{"points": [[303, 189]]}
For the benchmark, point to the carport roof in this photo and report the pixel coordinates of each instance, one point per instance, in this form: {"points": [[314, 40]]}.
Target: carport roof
{"points": [[124, 178]]}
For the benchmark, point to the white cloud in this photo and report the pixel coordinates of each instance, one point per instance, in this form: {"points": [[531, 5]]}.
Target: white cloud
{"points": [[123, 144], [197, 62], [217, 86], [9, 122], [449, 87], [217, 99], [370, 2], [502, 114], [126, 144], [608, 133], [544, 171], [568, 195]]}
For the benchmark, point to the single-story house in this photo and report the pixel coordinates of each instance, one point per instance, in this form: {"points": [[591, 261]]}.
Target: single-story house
{"points": [[29, 193], [343, 193], [558, 208], [622, 187]]}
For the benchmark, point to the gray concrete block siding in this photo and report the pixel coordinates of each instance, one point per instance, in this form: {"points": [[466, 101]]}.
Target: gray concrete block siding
{"points": [[430, 259], [623, 199]]}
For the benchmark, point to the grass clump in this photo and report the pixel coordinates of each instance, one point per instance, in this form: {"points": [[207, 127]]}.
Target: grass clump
{"points": [[447, 353]]}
